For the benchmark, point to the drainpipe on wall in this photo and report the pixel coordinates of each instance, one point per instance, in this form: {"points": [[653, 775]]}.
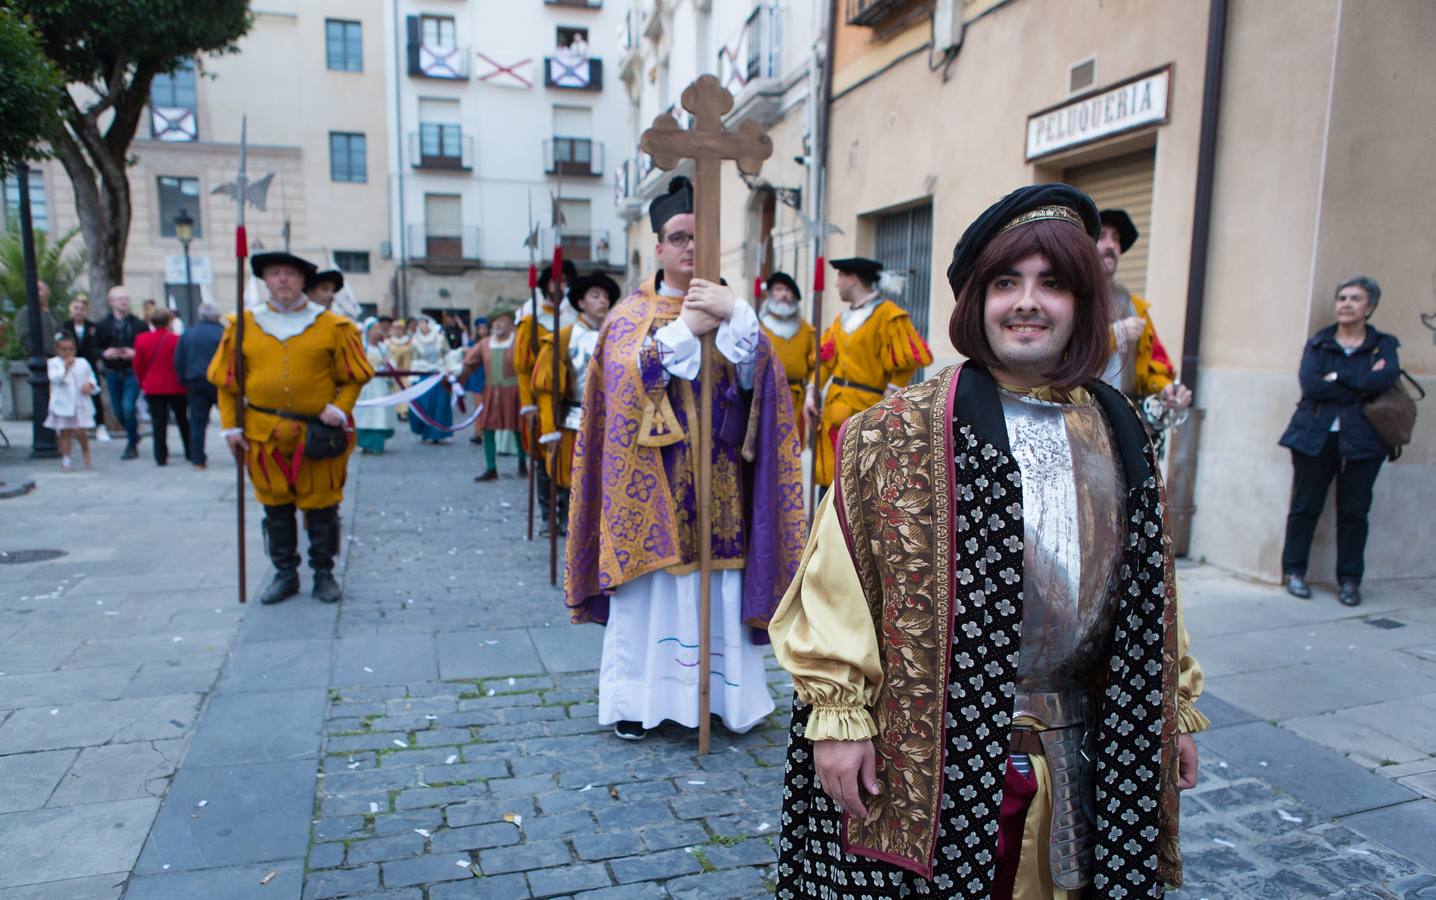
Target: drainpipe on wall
{"points": [[403, 298], [1182, 465]]}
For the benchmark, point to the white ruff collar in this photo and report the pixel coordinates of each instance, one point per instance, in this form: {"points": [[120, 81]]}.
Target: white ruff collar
{"points": [[284, 325], [506, 343], [783, 328]]}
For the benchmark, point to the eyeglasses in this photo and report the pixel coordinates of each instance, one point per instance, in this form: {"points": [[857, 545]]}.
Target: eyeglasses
{"points": [[679, 239]]}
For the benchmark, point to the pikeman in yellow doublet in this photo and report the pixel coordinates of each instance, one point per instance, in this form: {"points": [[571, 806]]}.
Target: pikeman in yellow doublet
{"points": [[795, 341], [870, 351], [592, 295], [303, 369], [525, 355]]}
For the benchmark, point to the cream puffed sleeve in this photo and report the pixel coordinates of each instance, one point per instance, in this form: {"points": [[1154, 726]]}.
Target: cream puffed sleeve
{"points": [[1189, 680], [823, 634]]}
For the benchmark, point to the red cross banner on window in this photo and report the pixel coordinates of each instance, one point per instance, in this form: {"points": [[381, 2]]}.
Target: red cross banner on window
{"points": [[511, 75]]}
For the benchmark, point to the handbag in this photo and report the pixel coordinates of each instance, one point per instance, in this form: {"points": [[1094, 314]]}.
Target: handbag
{"points": [[321, 440], [1393, 414]]}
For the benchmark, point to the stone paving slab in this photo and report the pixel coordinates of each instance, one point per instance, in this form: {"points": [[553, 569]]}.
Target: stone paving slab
{"points": [[1408, 828], [253, 813], [387, 659], [98, 722], [250, 727], [27, 780], [95, 887], [69, 842], [262, 882], [119, 772], [479, 653], [278, 665]]}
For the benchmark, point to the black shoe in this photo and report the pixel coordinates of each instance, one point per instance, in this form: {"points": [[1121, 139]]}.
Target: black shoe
{"points": [[1296, 586], [280, 588], [322, 526], [131, 452], [630, 731], [523, 468], [490, 475], [476, 440], [1350, 593], [326, 589]]}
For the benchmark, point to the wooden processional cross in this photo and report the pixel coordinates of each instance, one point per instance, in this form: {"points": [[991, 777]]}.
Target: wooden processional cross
{"points": [[707, 143]]}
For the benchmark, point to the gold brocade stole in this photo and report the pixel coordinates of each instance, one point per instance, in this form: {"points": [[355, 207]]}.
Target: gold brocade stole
{"points": [[1049, 393]]}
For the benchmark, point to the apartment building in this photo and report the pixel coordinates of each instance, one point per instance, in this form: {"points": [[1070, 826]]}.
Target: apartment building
{"points": [[769, 56], [309, 77], [497, 109]]}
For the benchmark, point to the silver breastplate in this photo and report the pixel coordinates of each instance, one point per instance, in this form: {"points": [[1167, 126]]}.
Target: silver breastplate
{"points": [[581, 344], [1073, 507]]}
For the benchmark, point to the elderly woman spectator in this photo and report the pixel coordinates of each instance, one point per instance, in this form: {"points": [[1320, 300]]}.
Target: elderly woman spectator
{"points": [[155, 368], [1342, 366]]}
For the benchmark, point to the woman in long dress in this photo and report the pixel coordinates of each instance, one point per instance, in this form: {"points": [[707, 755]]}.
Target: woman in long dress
{"points": [[374, 424], [433, 413]]}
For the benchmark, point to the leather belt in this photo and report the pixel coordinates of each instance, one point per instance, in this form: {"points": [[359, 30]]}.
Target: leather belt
{"points": [[843, 382], [1025, 740]]}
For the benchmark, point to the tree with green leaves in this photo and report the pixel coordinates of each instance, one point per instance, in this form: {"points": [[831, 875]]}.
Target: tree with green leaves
{"points": [[109, 51], [55, 265], [30, 92]]}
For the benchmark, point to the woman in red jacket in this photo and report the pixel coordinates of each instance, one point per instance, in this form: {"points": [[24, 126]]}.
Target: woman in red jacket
{"points": [[155, 368]]}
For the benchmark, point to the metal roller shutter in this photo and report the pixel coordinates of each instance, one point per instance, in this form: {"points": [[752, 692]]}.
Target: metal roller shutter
{"points": [[1126, 183]]}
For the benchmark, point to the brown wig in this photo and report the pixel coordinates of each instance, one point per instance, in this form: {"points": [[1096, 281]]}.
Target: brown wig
{"points": [[160, 318], [1075, 264]]}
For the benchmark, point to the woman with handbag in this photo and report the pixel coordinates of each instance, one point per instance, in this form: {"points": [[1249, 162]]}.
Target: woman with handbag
{"points": [[1330, 437]]}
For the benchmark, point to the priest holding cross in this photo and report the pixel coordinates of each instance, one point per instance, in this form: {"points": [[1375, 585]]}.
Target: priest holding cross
{"points": [[686, 520]]}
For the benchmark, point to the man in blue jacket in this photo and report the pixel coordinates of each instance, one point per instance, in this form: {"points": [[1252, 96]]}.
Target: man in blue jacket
{"points": [[192, 355]]}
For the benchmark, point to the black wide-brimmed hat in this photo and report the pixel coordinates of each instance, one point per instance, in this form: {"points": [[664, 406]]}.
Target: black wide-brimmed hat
{"points": [[333, 276], [864, 268], [676, 202], [261, 261], [1127, 232], [570, 275], [786, 280], [1033, 203], [580, 286]]}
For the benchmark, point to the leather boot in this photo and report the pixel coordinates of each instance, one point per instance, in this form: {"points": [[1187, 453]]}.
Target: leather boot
{"points": [[322, 526], [281, 542], [1350, 593]]}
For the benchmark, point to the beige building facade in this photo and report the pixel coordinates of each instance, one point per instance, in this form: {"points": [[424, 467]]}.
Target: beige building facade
{"points": [[310, 78], [1326, 117]]}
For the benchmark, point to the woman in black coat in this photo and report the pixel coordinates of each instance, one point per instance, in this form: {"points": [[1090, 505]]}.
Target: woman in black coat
{"points": [[1342, 367]]}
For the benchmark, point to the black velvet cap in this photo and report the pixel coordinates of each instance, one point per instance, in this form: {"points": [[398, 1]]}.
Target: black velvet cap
{"points": [[333, 276], [785, 279], [570, 275], [1004, 212], [260, 261], [1127, 233], [861, 266], [676, 202], [580, 286]]}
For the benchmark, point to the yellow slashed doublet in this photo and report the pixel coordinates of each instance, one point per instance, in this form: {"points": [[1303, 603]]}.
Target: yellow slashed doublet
{"points": [[323, 364], [884, 350], [799, 356], [560, 465]]}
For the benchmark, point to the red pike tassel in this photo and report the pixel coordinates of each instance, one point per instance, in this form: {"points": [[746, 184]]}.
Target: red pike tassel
{"points": [[819, 274], [241, 242], [533, 276], [758, 287]]}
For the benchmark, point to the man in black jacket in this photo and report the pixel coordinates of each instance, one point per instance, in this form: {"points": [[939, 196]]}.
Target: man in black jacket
{"points": [[192, 355], [115, 339]]}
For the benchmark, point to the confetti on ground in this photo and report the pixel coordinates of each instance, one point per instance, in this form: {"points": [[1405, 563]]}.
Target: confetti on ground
{"points": [[514, 819], [177, 639], [421, 832], [697, 782], [1358, 851], [54, 712], [453, 758], [511, 681], [367, 669], [491, 643], [1262, 763], [399, 743], [1222, 842], [586, 787], [491, 692], [202, 804], [463, 862], [373, 807], [269, 877], [764, 827], [1287, 817]]}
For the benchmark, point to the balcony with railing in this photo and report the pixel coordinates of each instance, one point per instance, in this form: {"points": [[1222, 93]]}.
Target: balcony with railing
{"points": [[875, 13], [441, 146], [443, 245], [567, 71], [438, 61], [579, 4], [750, 66], [630, 31], [573, 156], [579, 244]]}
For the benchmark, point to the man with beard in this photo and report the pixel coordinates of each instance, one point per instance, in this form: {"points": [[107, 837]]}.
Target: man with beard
{"points": [[994, 696], [632, 557], [302, 364], [1139, 365], [593, 296], [869, 351], [795, 340]]}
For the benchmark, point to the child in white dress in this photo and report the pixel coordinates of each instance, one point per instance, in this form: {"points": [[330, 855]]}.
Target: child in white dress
{"points": [[71, 412]]}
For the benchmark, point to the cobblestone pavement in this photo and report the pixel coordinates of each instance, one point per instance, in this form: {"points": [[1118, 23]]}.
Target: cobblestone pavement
{"points": [[434, 737]]}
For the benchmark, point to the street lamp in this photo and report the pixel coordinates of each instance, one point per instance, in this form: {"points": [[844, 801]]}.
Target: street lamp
{"points": [[184, 230], [42, 443]]}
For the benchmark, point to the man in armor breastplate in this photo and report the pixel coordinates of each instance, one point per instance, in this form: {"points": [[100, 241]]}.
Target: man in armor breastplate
{"points": [[994, 694]]}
